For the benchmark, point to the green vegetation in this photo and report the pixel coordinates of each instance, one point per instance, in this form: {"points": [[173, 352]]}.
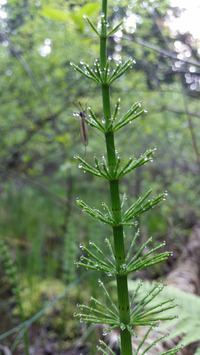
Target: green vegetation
{"points": [[124, 315], [188, 308], [40, 224], [11, 272]]}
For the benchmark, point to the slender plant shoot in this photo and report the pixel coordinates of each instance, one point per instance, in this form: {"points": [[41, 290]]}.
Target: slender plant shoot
{"points": [[121, 260]]}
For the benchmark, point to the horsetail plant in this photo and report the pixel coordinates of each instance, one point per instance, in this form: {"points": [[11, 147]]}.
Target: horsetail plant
{"points": [[119, 264]]}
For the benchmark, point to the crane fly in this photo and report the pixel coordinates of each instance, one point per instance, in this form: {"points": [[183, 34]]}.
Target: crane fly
{"points": [[83, 127]]}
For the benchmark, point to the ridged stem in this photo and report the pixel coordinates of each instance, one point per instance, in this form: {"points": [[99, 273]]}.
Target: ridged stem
{"points": [[103, 49], [119, 248]]}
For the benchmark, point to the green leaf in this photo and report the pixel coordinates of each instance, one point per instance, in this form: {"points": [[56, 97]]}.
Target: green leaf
{"points": [[89, 9], [191, 337], [78, 20], [54, 14]]}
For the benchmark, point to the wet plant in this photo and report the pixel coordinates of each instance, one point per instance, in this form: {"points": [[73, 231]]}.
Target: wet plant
{"points": [[12, 274], [120, 261]]}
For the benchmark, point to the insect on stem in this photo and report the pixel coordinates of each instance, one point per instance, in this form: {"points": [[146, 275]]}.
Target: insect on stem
{"points": [[83, 127]]}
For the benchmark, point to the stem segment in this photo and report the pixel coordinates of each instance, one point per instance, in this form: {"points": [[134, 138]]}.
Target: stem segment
{"points": [[118, 234]]}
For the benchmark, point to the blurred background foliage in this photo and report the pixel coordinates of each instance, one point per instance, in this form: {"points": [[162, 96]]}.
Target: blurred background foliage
{"points": [[39, 179]]}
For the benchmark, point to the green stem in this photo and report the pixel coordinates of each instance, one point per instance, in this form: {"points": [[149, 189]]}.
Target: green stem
{"points": [[104, 8], [103, 49], [119, 250], [118, 234]]}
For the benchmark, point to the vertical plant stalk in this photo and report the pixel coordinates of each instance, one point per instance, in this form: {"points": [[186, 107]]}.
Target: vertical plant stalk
{"points": [[119, 265], [119, 247]]}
